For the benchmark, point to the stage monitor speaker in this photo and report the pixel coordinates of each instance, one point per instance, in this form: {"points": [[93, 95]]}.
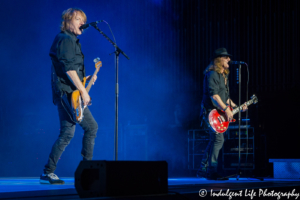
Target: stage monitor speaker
{"points": [[121, 178]]}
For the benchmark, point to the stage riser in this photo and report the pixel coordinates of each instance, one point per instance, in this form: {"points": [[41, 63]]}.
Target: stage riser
{"points": [[286, 168]]}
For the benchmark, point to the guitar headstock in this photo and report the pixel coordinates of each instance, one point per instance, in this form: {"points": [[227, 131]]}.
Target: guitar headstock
{"points": [[98, 63], [254, 99]]}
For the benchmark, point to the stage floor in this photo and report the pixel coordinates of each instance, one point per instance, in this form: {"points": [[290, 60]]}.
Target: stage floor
{"points": [[179, 188]]}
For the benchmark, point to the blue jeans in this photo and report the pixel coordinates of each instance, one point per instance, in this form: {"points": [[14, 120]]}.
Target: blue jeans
{"points": [[67, 130]]}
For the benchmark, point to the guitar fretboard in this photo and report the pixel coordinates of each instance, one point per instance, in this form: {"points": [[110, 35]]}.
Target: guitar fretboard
{"points": [[248, 103], [98, 64], [91, 82]]}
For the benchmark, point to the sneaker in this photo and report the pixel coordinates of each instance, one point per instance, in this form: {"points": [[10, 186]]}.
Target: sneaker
{"points": [[51, 179]]}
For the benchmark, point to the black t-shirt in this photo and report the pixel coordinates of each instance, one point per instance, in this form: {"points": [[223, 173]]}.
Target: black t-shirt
{"points": [[66, 55], [214, 83]]}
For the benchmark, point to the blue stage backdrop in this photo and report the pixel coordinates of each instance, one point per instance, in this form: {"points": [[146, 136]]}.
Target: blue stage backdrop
{"points": [[169, 43], [29, 120]]}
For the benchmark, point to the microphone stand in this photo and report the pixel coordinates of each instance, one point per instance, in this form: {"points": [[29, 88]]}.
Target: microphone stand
{"points": [[117, 53], [239, 166], [239, 149]]}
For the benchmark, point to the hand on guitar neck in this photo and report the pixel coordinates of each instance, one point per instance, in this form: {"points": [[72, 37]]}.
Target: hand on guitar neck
{"points": [[245, 107], [87, 101], [91, 78], [229, 114]]}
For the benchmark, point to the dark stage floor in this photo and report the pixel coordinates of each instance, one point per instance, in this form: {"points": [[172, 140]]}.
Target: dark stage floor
{"points": [[179, 188]]}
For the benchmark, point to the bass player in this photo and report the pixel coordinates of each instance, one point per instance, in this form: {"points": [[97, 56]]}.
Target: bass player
{"points": [[68, 72]]}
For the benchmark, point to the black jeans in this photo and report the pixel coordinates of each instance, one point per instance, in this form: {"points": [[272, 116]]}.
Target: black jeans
{"points": [[210, 157], [209, 161], [67, 130]]}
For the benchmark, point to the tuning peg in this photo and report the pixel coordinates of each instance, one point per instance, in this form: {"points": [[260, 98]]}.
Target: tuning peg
{"points": [[96, 60]]}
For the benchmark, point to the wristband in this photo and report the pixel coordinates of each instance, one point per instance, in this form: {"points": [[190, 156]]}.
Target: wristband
{"points": [[225, 108]]}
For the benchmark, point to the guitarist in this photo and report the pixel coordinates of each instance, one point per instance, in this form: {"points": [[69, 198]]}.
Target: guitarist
{"points": [[215, 96], [68, 72]]}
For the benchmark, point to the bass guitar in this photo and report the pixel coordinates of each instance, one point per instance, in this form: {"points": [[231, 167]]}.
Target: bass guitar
{"points": [[76, 100], [218, 120]]}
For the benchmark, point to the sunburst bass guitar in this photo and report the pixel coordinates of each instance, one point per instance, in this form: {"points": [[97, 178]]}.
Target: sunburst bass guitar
{"points": [[76, 100], [218, 120]]}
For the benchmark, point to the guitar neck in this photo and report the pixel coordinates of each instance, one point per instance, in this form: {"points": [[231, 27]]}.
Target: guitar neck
{"points": [[91, 82], [236, 110]]}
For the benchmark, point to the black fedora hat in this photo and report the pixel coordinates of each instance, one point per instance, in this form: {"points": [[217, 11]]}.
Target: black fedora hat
{"points": [[220, 52]]}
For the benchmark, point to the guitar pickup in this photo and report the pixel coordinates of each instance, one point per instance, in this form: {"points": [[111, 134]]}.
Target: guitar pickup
{"points": [[220, 120]]}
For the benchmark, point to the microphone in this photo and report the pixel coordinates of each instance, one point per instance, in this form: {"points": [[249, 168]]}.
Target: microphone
{"points": [[236, 62], [85, 26]]}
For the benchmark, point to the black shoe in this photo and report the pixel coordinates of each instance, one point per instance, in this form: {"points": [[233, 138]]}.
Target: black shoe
{"points": [[201, 174], [51, 179], [202, 171]]}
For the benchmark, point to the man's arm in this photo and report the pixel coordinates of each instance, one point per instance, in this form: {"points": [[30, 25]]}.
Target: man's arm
{"points": [[66, 55], [72, 74], [218, 101], [221, 105]]}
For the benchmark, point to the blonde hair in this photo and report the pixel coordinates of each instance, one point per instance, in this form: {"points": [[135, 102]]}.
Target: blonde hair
{"points": [[68, 15], [216, 65]]}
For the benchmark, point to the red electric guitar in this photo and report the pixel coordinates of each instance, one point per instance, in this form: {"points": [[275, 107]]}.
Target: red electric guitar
{"points": [[218, 120]]}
